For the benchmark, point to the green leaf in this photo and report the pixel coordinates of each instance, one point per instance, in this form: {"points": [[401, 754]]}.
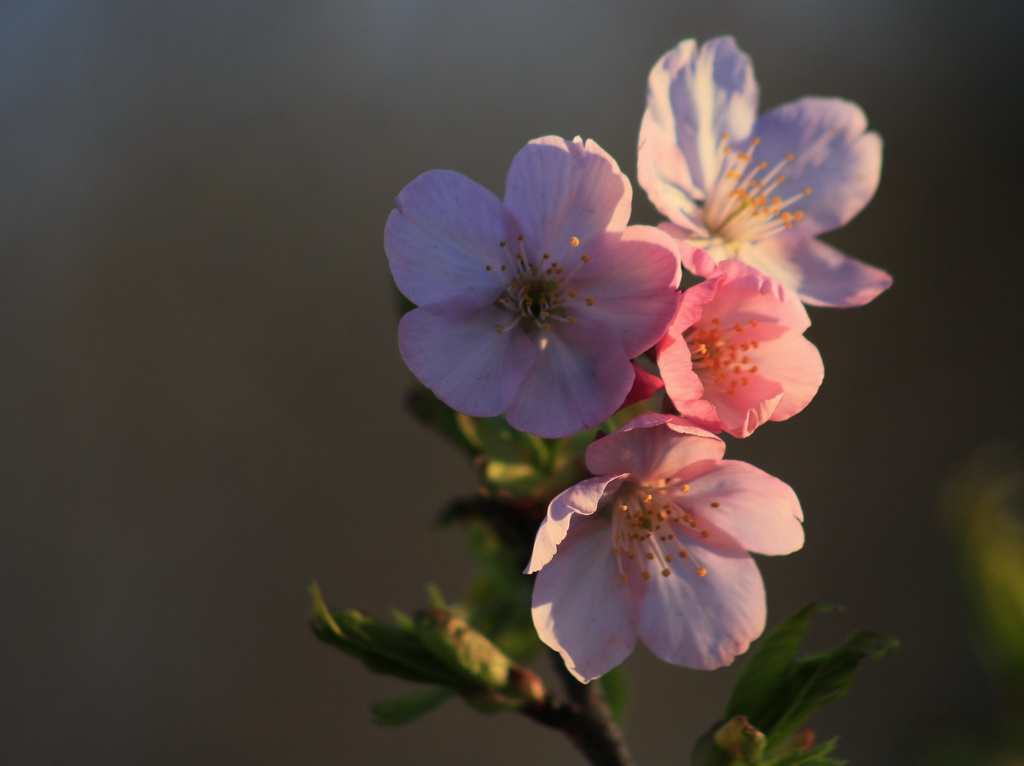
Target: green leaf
{"points": [[432, 412], [778, 691], [616, 693], [815, 756], [499, 441], [407, 709], [388, 649], [498, 601], [463, 649]]}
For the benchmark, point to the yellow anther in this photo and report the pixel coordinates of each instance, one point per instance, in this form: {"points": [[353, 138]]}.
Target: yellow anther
{"points": [[701, 571], [574, 241]]}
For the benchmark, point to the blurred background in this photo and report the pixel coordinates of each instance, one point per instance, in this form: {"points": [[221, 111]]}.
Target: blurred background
{"points": [[201, 393]]}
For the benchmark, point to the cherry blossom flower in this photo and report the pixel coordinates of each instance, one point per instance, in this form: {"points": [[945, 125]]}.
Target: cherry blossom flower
{"points": [[531, 307], [759, 189], [655, 547], [735, 356]]}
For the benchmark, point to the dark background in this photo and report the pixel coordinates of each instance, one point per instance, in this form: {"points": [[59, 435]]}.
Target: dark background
{"points": [[201, 386]]}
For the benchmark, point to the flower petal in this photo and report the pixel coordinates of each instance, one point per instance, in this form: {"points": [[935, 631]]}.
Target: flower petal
{"points": [[694, 97], [704, 622], [579, 378], [748, 407], [653, 447], [645, 384], [445, 231], [581, 607], [833, 155], [631, 280], [471, 367], [796, 365], [759, 512], [675, 360], [820, 274], [580, 499], [559, 189]]}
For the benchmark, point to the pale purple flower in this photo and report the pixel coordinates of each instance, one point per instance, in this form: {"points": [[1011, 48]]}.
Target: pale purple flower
{"points": [[655, 547], [531, 307], [759, 189]]}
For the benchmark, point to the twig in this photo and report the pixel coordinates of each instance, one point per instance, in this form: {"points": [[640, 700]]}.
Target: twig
{"points": [[586, 720]]}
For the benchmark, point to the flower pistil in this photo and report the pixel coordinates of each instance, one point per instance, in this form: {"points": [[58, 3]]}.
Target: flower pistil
{"points": [[740, 206], [537, 292], [645, 523]]}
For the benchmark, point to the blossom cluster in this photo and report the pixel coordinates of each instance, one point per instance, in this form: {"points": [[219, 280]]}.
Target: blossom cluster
{"points": [[549, 308]]}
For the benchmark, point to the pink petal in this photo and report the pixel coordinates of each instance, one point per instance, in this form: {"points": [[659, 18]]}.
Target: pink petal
{"points": [[581, 607], [653, 447], [469, 365], [439, 240], [704, 622], [743, 293], [759, 512], [820, 274], [833, 156], [675, 361], [631, 280], [559, 189], [751, 406], [694, 97], [579, 377], [645, 384], [796, 365], [580, 499]]}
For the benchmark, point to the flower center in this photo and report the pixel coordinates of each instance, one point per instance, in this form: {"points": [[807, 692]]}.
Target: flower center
{"points": [[720, 352], [538, 291], [741, 206], [648, 527]]}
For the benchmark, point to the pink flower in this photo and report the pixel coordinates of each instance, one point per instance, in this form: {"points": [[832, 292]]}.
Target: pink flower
{"points": [[758, 188], [656, 547], [531, 307], [735, 356]]}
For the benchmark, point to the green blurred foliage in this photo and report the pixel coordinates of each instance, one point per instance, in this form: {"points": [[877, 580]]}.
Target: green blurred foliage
{"points": [[983, 506]]}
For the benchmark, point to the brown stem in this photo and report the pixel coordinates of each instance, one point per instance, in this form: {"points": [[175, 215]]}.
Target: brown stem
{"points": [[586, 720]]}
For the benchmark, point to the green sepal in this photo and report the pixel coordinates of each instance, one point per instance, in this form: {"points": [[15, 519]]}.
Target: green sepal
{"points": [[407, 709], [777, 691]]}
